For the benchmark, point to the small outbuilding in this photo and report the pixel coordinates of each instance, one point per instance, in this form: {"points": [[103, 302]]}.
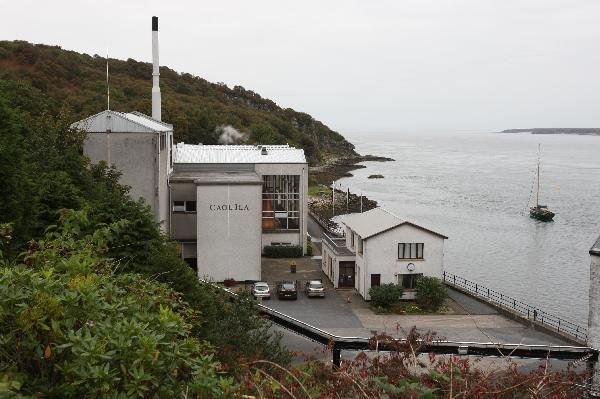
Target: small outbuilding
{"points": [[379, 247]]}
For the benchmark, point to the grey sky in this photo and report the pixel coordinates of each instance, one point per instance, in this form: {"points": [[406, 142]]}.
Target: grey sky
{"points": [[358, 65]]}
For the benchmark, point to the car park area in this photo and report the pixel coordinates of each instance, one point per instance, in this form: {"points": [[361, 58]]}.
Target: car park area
{"points": [[331, 312]]}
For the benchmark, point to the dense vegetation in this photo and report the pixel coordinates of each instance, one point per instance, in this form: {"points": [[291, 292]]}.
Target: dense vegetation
{"points": [[72, 328], [197, 108], [44, 174]]}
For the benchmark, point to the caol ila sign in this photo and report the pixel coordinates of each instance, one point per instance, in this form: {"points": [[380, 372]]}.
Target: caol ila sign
{"points": [[228, 207]]}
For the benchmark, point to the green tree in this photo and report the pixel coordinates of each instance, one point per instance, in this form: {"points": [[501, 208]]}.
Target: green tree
{"points": [[431, 293], [385, 295], [71, 328]]}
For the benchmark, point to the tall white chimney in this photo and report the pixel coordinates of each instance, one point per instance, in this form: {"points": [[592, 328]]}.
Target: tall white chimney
{"points": [[156, 102]]}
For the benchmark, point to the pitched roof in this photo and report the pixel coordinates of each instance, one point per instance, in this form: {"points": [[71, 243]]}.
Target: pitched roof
{"points": [[215, 154], [121, 122], [595, 250], [376, 221]]}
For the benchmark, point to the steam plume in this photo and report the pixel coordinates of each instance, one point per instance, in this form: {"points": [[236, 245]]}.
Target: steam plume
{"points": [[230, 135]]}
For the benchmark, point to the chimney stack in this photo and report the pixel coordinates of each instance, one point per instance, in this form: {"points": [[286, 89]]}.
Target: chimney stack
{"points": [[156, 101]]}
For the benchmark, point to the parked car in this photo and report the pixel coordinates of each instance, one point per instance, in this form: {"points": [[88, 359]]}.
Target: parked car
{"points": [[260, 289], [287, 289], [314, 288]]}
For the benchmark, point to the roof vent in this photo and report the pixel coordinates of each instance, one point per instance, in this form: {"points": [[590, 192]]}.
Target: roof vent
{"points": [[264, 151]]}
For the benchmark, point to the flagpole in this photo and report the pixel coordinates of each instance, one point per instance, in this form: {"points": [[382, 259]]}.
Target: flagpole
{"points": [[333, 199], [348, 200], [361, 201]]}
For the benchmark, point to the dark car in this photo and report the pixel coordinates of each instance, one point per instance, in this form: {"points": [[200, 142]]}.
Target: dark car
{"points": [[287, 289], [314, 288]]}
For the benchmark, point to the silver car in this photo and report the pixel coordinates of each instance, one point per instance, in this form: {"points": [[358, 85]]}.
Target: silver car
{"points": [[262, 290], [314, 288]]}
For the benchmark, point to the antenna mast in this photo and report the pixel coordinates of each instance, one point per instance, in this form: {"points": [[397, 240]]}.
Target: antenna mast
{"points": [[107, 85], [537, 191]]}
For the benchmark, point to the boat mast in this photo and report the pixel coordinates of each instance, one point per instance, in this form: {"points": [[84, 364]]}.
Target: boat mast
{"points": [[537, 191]]}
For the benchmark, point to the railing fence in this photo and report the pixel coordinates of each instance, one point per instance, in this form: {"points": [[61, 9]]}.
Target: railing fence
{"points": [[527, 311]]}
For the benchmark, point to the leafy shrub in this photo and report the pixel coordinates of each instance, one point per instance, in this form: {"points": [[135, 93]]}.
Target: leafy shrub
{"points": [[283, 251], [385, 295], [71, 328], [431, 293], [309, 248]]}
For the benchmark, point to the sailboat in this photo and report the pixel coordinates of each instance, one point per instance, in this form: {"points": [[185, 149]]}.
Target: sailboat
{"points": [[540, 212]]}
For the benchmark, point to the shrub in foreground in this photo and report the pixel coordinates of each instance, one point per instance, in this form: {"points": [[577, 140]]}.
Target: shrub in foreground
{"points": [[283, 251], [431, 293], [72, 329], [385, 295]]}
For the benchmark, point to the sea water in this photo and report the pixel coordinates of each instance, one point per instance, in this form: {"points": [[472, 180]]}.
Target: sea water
{"points": [[474, 187]]}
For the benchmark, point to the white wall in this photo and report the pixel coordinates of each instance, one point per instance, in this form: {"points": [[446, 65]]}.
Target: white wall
{"points": [[229, 241], [380, 256], [135, 155]]}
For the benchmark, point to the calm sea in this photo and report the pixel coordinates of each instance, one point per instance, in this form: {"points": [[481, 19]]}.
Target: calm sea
{"points": [[475, 187]]}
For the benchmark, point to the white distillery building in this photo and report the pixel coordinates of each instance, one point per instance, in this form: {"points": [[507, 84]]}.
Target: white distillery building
{"points": [[222, 203], [378, 247]]}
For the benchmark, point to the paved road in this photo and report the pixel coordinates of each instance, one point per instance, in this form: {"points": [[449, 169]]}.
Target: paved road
{"points": [[314, 229]]}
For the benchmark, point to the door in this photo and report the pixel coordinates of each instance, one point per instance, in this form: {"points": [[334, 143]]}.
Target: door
{"points": [[375, 280], [346, 276]]}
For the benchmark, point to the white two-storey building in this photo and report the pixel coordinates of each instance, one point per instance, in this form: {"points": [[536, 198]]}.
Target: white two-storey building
{"points": [[379, 248]]}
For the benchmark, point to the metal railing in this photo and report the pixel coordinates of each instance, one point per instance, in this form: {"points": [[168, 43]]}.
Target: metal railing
{"points": [[526, 311]]}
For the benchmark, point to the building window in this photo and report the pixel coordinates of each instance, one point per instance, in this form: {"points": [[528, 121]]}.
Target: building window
{"points": [[409, 281], [351, 238], [190, 206], [281, 202], [359, 248], [184, 206], [410, 250], [163, 142]]}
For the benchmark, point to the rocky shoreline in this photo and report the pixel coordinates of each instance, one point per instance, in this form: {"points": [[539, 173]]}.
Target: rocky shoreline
{"points": [[341, 167], [321, 204]]}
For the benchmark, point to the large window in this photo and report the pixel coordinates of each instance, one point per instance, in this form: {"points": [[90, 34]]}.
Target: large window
{"points": [[410, 250], [409, 281], [281, 202]]}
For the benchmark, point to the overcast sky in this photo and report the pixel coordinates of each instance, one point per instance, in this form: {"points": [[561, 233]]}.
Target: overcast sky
{"points": [[358, 66]]}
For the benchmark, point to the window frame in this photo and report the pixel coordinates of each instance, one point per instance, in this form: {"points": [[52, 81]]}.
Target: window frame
{"points": [[182, 207], [413, 277], [283, 194], [411, 251]]}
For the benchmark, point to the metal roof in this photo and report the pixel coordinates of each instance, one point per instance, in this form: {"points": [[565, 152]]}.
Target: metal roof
{"points": [[376, 221], [337, 245], [121, 122], [595, 250], [216, 154]]}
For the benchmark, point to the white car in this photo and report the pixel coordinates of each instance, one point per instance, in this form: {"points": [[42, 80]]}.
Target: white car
{"points": [[262, 290], [314, 288]]}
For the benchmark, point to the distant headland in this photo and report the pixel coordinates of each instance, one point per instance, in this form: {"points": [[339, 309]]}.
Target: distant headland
{"points": [[593, 131]]}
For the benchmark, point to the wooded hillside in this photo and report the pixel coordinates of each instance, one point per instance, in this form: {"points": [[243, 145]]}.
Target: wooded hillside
{"points": [[48, 78]]}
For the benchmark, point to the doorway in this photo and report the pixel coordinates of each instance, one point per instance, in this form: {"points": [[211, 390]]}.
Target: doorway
{"points": [[346, 275], [375, 280]]}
